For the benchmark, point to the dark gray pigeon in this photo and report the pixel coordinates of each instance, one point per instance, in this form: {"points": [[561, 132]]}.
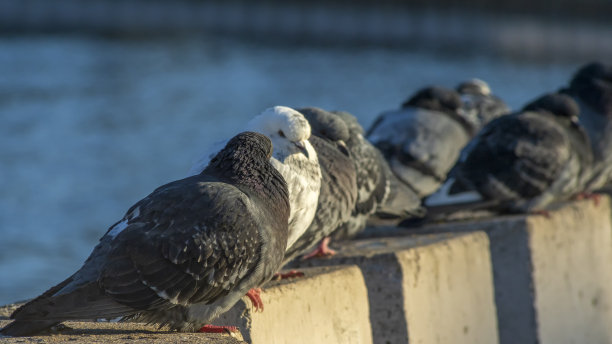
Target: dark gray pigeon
{"points": [[338, 182], [591, 87], [423, 140], [184, 254], [527, 160], [378, 190]]}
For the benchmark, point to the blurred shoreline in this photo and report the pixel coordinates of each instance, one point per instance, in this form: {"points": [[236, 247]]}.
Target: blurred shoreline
{"points": [[505, 30]]}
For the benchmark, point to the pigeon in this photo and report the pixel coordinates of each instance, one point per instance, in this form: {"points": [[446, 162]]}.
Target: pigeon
{"points": [[294, 157], [378, 190], [338, 182], [182, 255], [524, 161], [423, 140], [480, 106], [591, 88]]}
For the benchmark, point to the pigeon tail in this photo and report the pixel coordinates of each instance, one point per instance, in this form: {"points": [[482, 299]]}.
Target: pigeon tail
{"points": [[20, 328], [49, 310], [401, 202], [453, 191]]}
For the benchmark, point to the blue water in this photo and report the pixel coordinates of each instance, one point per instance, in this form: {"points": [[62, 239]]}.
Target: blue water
{"points": [[89, 126]]}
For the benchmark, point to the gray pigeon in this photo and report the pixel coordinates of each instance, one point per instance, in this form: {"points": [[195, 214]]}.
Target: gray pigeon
{"points": [[338, 182], [423, 140], [591, 87], [527, 160], [378, 190], [184, 254]]}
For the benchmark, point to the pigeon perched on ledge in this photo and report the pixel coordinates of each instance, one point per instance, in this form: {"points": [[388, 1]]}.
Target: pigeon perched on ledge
{"points": [[184, 254], [527, 160], [423, 140], [591, 88], [378, 190], [338, 181], [294, 157]]}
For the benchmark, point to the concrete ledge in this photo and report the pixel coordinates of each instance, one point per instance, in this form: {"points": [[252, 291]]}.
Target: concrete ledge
{"points": [[107, 332], [553, 279], [328, 305], [426, 289]]}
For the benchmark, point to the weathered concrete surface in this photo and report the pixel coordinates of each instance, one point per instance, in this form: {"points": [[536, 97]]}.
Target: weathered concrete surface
{"points": [[426, 289], [328, 305], [571, 255], [553, 274], [105, 333]]}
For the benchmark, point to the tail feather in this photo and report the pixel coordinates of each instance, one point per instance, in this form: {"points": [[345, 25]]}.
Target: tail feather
{"points": [[19, 328], [83, 303], [402, 202], [86, 302]]}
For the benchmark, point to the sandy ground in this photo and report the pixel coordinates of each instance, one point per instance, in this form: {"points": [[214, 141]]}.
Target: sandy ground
{"points": [[106, 332]]}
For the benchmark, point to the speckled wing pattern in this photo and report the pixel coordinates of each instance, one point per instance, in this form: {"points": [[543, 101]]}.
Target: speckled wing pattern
{"points": [[164, 258], [336, 199], [372, 182]]}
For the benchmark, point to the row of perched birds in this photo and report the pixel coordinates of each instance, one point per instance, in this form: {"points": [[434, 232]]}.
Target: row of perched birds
{"points": [[295, 178]]}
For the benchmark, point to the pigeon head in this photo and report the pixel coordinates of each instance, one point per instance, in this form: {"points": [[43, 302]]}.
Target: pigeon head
{"points": [[325, 124], [435, 98], [351, 122], [593, 84], [474, 86], [288, 130], [328, 126], [562, 106]]}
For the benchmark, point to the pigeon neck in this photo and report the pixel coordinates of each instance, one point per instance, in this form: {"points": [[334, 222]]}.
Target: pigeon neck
{"points": [[254, 175]]}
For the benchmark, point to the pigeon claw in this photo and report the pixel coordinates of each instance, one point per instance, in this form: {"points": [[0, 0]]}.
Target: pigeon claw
{"points": [[288, 274], [589, 195], [322, 250], [544, 213], [218, 329], [255, 297]]}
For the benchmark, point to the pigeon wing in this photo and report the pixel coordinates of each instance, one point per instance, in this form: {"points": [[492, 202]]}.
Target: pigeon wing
{"points": [[164, 258]]}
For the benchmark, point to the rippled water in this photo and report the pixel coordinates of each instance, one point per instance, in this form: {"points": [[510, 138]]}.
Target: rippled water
{"points": [[88, 126]]}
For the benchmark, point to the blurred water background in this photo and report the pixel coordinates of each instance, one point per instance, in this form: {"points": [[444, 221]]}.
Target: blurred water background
{"points": [[102, 101]]}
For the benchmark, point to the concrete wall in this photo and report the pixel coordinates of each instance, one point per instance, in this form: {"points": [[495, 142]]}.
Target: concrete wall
{"points": [[326, 306], [552, 274], [426, 289]]}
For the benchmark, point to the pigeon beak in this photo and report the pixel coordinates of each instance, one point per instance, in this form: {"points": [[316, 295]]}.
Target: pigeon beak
{"points": [[342, 147], [575, 119], [302, 146]]}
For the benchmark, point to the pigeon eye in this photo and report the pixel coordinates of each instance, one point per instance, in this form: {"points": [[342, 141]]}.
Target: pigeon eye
{"points": [[280, 132]]}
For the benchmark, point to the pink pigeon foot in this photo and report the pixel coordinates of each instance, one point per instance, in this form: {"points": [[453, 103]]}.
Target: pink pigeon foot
{"points": [[322, 250], [589, 195], [255, 296], [218, 329], [544, 213], [288, 274]]}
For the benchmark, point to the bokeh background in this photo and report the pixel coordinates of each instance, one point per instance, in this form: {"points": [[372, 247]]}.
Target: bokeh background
{"points": [[101, 101]]}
